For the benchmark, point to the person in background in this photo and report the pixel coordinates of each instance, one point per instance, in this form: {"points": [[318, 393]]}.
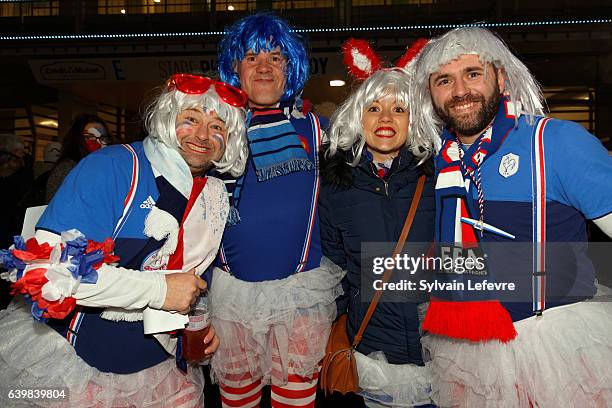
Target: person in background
{"points": [[16, 177], [87, 134], [36, 195], [51, 154]]}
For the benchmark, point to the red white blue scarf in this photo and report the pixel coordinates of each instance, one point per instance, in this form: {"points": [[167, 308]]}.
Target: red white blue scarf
{"points": [[457, 316]]}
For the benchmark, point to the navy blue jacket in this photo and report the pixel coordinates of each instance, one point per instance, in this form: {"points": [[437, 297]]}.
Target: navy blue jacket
{"points": [[355, 206]]}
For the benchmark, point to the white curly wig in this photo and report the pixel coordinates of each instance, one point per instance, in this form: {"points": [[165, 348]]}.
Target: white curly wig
{"points": [[161, 124], [346, 131], [520, 86]]}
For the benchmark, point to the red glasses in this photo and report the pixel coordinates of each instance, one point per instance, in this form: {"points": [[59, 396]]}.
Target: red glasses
{"points": [[196, 85]]}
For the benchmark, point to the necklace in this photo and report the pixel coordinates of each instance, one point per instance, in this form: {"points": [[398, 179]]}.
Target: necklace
{"points": [[477, 179]]}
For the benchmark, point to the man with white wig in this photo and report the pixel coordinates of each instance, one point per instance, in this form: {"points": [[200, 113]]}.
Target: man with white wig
{"points": [[153, 203], [506, 175]]}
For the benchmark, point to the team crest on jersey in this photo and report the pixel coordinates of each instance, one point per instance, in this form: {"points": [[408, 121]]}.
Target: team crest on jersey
{"points": [[154, 262], [509, 165]]}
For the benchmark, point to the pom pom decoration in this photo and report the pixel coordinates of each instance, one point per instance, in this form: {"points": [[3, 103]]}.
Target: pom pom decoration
{"points": [[362, 61], [360, 58], [48, 275], [474, 321], [412, 52]]}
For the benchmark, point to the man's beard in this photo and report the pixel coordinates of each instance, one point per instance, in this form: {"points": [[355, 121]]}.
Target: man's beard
{"points": [[473, 123]]}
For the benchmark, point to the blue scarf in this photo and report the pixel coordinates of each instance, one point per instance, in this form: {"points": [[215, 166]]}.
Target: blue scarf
{"points": [[275, 146], [276, 150]]}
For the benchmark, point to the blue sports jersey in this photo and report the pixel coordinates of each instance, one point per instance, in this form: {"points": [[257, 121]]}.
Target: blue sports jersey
{"points": [[91, 199], [269, 240], [578, 187]]}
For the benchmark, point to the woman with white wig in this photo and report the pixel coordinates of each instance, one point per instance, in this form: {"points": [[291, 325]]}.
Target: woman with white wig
{"points": [[370, 171], [97, 270]]}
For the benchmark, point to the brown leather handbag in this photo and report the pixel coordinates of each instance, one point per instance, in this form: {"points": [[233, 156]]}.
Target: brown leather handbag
{"points": [[338, 367]]}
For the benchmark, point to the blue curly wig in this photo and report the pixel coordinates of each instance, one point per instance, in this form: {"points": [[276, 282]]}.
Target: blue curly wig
{"points": [[254, 33]]}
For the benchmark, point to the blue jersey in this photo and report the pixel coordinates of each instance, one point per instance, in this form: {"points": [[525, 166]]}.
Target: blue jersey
{"points": [[91, 199], [578, 187], [277, 223]]}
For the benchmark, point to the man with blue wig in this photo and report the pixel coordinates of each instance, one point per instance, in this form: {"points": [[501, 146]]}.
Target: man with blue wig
{"points": [[272, 294]]}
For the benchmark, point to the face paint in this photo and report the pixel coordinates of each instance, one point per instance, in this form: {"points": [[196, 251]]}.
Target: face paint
{"points": [[185, 124], [219, 138], [95, 137], [97, 133], [185, 127], [199, 137]]}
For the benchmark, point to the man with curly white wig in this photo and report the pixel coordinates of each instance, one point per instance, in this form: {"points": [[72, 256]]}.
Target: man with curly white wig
{"points": [[506, 175], [154, 201]]}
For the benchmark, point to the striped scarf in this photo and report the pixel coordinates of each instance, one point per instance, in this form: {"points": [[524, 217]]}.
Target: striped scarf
{"points": [[456, 178], [456, 313], [381, 169], [276, 150], [275, 146]]}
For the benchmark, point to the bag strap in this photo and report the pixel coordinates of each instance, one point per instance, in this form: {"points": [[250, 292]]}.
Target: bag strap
{"points": [[398, 247]]}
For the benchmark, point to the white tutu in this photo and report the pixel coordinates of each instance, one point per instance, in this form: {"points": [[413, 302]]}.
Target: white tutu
{"points": [[34, 356], [392, 385], [561, 359], [270, 328]]}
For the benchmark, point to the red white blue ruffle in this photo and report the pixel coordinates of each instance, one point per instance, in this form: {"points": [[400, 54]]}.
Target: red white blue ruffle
{"points": [[49, 275]]}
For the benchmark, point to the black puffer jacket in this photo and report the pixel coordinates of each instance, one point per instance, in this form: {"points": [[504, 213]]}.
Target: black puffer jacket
{"points": [[355, 206]]}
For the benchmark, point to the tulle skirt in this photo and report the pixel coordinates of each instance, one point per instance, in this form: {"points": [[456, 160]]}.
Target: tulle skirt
{"points": [[34, 356], [392, 385], [561, 359], [272, 328]]}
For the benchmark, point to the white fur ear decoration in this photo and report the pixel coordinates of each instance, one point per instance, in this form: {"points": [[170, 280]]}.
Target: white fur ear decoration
{"points": [[410, 55], [360, 58], [160, 224]]}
